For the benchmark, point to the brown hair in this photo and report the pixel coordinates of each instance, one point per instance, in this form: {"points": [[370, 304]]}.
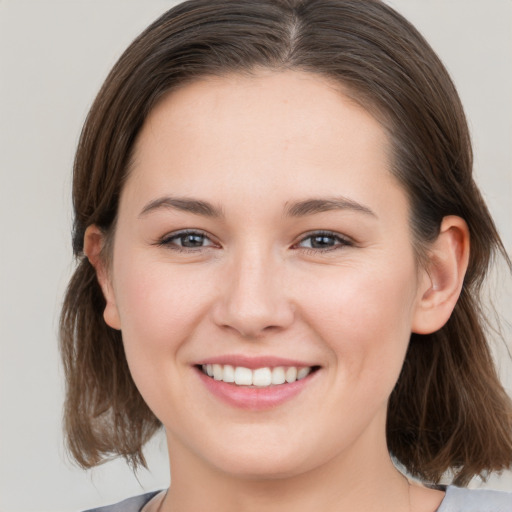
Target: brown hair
{"points": [[448, 410]]}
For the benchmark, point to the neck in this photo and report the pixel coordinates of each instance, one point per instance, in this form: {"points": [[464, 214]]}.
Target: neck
{"points": [[346, 482]]}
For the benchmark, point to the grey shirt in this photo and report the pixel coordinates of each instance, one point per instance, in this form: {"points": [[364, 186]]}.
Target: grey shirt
{"points": [[457, 499]]}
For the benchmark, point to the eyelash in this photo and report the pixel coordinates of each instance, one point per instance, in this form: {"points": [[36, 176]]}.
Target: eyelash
{"points": [[340, 241]]}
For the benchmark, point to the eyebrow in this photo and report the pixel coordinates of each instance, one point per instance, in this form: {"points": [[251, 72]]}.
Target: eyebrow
{"points": [[319, 205], [295, 209], [183, 204]]}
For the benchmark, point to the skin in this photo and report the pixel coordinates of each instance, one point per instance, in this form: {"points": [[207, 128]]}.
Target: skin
{"points": [[252, 146]]}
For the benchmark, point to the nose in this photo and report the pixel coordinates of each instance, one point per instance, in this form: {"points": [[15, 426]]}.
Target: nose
{"points": [[252, 299]]}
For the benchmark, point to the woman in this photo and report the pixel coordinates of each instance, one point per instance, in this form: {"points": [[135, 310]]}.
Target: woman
{"points": [[280, 254]]}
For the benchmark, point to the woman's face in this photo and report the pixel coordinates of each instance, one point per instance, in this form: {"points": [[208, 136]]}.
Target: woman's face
{"points": [[261, 232]]}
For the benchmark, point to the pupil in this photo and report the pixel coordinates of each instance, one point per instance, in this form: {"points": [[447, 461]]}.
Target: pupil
{"points": [[321, 241], [192, 240]]}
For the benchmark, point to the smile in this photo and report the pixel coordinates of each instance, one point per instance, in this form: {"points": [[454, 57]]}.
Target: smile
{"points": [[258, 377]]}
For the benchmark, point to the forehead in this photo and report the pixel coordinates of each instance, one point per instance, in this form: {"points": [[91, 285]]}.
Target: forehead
{"points": [[260, 134], [262, 98]]}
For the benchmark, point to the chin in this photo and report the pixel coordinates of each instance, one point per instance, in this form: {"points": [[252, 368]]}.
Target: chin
{"points": [[256, 462]]}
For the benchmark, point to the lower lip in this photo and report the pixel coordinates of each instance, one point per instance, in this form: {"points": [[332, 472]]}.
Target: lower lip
{"points": [[254, 398]]}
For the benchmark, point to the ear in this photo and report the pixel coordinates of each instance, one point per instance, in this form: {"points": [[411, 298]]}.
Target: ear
{"points": [[94, 240], [442, 279]]}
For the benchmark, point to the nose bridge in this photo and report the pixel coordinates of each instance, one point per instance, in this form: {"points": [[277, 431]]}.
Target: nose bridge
{"points": [[253, 299]]}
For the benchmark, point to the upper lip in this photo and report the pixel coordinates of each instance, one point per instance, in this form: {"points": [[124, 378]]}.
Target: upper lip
{"points": [[254, 362]]}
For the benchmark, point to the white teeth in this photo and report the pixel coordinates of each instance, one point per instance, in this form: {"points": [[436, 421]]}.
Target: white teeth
{"points": [[229, 373], [291, 374], [303, 372], [278, 376], [217, 372], [243, 376], [260, 377]]}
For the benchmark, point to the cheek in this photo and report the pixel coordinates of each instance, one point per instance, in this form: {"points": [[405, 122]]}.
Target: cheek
{"points": [[160, 309], [158, 305], [365, 316]]}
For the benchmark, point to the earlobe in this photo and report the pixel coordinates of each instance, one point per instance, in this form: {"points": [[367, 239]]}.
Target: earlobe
{"points": [[94, 240], [442, 281]]}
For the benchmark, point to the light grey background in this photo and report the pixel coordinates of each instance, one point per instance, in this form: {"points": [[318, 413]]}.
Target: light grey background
{"points": [[54, 55]]}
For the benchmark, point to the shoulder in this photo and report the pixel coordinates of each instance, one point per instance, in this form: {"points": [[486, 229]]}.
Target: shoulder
{"points": [[458, 499], [134, 504]]}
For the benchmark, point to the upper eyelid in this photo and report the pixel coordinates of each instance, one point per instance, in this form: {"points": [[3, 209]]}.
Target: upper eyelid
{"points": [[321, 232], [183, 232], [186, 231]]}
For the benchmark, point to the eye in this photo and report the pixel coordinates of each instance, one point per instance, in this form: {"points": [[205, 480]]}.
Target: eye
{"points": [[323, 241], [186, 240]]}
